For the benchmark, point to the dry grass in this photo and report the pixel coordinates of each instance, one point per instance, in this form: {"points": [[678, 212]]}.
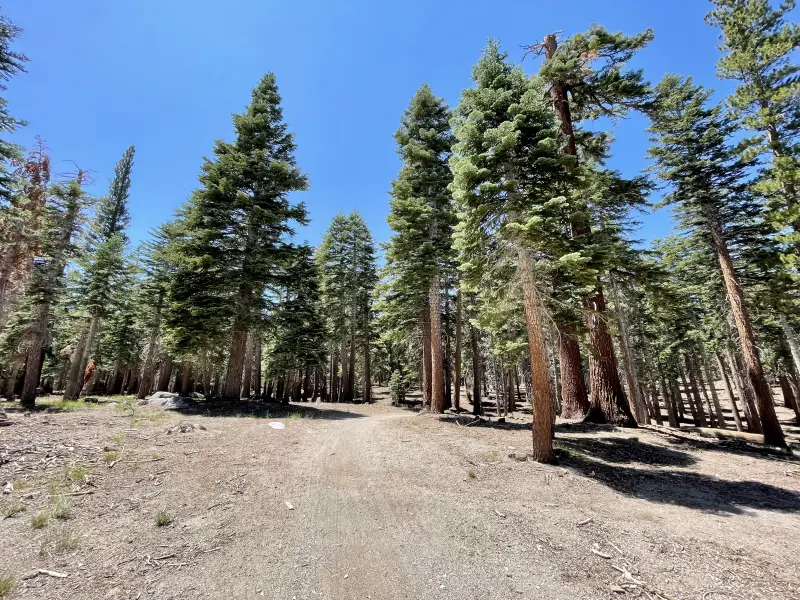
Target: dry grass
{"points": [[39, 520], [13, 509], [7, 584], [58, 541], [164, 518]]}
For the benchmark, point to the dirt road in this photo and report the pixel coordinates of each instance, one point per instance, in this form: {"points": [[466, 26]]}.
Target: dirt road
{"points": [[388, 504]]}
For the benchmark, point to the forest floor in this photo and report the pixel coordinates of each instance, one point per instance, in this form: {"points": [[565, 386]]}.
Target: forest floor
{"points": [[376, 502]]}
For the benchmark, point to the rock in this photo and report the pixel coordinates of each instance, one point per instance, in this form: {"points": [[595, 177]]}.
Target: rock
{"points": [[92, 399], [9, 487], [276, 425], [142, 402], [174, 401]]}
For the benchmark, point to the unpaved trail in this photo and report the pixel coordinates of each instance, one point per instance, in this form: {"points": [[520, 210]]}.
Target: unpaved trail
{"points": [[388, 504]]}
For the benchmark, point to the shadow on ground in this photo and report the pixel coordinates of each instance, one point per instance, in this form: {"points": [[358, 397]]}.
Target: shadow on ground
{"points": [[604, 460], [262, 410]]}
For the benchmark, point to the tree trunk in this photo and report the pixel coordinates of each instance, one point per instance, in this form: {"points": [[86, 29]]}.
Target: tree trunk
{"points": [[457, 382], [437, 375], [426, 354], [257, 365], [791, 342], [631, 373], [609, 403], [166, 374], [366, 395], [477, 408], [188, 381], [773, 434], [72, 389], [672, 413], [247, 378], [689, 397], [695, 402], [714, 396], [745, 394], [729, 392], [351, 370], [788, 396], [697, 376], [236, 353], [543, 402], [574, 397]]}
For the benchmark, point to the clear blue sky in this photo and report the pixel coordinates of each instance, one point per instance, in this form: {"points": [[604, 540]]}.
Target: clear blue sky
{"points": [[166, 75]]}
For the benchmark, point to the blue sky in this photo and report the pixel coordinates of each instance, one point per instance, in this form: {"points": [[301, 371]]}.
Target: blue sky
{"points": [[166, 75]]}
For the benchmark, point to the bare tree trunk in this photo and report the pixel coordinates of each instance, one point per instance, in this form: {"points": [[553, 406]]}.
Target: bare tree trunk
{"points": [[773, 434], [695, 401], [257, 367], [247, 378], [426, 354], [729, 392], [697, 375], [609, 403], [236, 359], [672, 413], [351, 370], [791, 342], [367, 392], [188, 381], [714, 396], [788, 396], [477, 408], [574, 397], [166, 374], [542, 396], [457, 386], [745, 393], [437, 375], [72, 389], [627, 358], [689, 397]]}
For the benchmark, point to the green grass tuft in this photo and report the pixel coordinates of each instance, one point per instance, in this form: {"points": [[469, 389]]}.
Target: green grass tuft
{"points": [[7, 584], [78, 473], [111, 456], [13, 509], [61, 508], [164, 518], [59, 541], [471, 474], [39, 520]]}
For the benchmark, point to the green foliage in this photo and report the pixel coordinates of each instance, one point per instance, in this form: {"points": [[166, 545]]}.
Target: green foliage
{"points": [[230, 242], [164, 518], [758, 43], [11, 64], [7, 584]]}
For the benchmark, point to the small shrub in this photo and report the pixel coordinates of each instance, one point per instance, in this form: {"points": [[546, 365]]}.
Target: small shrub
{"points": [[78, 473], [471, 474], [294, 416], [13, 509], [61, 508], [111, 456], [164, 518], [7, 584], [59, 541], [397, 387], [39, 520], [117, 438]]}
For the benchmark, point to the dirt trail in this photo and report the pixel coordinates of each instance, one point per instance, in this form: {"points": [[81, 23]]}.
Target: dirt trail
{"points": [[387, 504]]}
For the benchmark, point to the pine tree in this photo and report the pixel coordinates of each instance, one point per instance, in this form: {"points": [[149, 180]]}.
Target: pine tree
{"points": [[757, 46], [586, 80], [693, 153], [11, 63], [236, 233], [104, 267], [509, 184], [422, 218], [63, 218], [346, 263]]}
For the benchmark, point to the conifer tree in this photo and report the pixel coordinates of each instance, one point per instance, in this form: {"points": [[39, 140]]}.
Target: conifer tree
{"points": [[758, 42], [421, 217], [693, 153], [346, 263], [237, 227], [509, 184], [104, 266], [11, 63], [586, 79]]}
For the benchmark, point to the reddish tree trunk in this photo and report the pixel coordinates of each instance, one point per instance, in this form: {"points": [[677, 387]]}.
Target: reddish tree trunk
{"points": [[426, 354], [437, 374], [574, 397]]}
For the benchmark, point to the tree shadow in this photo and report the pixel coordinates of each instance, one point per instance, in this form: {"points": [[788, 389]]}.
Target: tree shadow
{"points": [[261, 410], [470, 421], [591, 458]]}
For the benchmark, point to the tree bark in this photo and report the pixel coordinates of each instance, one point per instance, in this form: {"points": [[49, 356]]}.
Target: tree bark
{"points": [[437, 362], [672, 413], [631, 374], [477, 408], [574, 396], [366, 395], [789, 399], [257, 366], [426, 354], [695, 402], [773, 434], [714, 396], [745, 394], [247, 378], [729, 392], [543, 401], [457, 382], [166, 374], [236, 356], [697, 375], [187, 382], [609, 403], [791, 342]]}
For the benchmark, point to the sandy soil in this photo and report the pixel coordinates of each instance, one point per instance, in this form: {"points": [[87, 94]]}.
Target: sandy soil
{"points": [[380, 502]]}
